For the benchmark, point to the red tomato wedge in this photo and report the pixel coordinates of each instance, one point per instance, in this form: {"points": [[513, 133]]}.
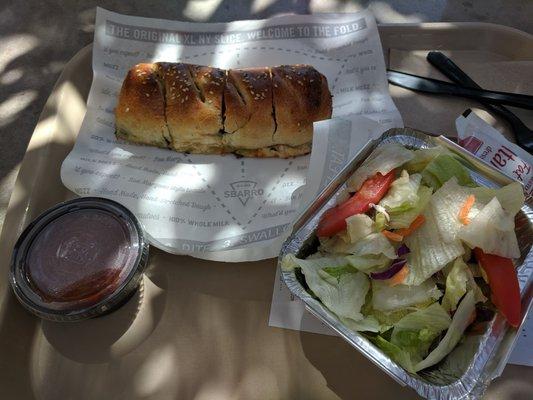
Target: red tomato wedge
{"points": [[503, 284], [372, 191]]}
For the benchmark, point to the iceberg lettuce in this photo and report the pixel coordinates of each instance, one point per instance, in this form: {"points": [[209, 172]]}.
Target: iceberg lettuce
{"points": [[404, 219], [448, 200], [402, 194], [383, 160], [396, 353], [458, 281], [415, 332], [423, 157], [343, 293], [381, 221], [390, 298], [373, 244], [492, 230], [358, 226], [446, 204], [434, 318], [510, 196], [460, 321], [442, 168], [367, 324], [368, 263], [408, 346], [429, 252]]}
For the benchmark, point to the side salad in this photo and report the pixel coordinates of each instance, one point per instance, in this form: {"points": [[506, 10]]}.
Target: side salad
{"points": [[416, 254]]}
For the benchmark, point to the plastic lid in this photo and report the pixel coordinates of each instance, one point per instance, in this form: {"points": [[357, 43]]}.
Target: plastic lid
{"points": [[80, 259]]}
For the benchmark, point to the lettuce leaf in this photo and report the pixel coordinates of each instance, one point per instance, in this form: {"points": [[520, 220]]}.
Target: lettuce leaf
{"points": [[434, 318], [415, 332], [373, 244], [390, 298], [423, 157], [460, 321], [412, 336], [335, 272], [510, 196], [290, 262], [429, 252], [343, 293], [460, 280], [446, 204], [367, 324], [383, 160], [381, 222], [402, 194], [492, 230], [404, 219], [358, 226], [398, 355], [448, 200], [368, 263], [442, 168]]}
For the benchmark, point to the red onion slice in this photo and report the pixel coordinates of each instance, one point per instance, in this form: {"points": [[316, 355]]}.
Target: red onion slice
{"points": [[403, 250], [395, 267]]}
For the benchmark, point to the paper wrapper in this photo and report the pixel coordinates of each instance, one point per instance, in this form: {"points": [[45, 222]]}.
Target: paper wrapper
{"points": [[486, 143], [222, 207]]}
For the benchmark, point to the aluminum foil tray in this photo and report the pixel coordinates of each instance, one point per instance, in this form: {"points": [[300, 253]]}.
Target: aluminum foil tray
{"points": [[468, 370]]}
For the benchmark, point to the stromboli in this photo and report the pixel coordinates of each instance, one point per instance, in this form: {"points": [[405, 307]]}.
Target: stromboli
{"points": [[254, 112]]}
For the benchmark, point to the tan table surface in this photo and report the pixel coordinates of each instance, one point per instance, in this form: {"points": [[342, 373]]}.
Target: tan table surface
{"points": [[196, 330]]}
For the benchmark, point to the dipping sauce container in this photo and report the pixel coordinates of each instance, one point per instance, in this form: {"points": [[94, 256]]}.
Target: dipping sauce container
{"points": [[80, 259]]}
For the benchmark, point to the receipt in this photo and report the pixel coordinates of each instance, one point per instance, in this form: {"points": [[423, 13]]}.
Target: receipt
{"points": [[222, 207]]}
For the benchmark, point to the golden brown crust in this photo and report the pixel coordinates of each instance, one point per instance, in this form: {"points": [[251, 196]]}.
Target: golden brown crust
{"points": [[300, 97], [193, 105], [140, 113], [255, 112], [250, 124]]}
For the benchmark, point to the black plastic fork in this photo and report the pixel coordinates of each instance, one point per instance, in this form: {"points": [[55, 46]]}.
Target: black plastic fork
{"points": [[523, 135]]}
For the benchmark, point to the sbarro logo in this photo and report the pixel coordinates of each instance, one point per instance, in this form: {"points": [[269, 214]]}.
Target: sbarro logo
{"points": [[243, 190]]}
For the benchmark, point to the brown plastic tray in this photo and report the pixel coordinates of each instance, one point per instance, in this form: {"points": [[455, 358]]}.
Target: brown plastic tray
{"points": [[197, 329]]}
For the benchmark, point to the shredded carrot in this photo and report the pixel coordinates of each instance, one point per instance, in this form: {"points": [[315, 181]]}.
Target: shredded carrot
{"points": [[392, 236], [417, 223], [465, 209], [399, 276]]}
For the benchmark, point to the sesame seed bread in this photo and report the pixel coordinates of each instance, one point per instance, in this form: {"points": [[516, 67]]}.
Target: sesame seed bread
{"points": [[193, 106], [301, 96], [254, 122], [140, 113], [255, 112]]}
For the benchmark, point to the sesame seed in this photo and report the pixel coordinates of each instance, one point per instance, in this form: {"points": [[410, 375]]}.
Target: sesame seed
{"points": [[210, 92], [147, 94], [182, 100], [127, 109]]}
